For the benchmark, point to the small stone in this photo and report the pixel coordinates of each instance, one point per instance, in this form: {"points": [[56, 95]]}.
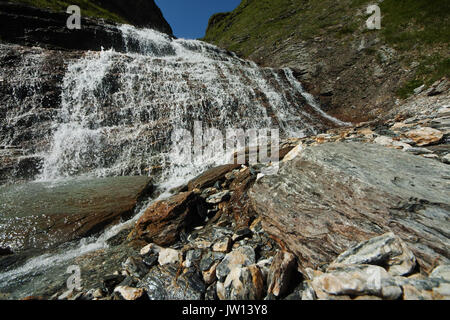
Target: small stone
{"points": [[193, 257], [430, 156], [66, 295], [223, 245], [418, 151], [202, 244], [168, 256], [419, 89], [425, 136], [129, 293], [211, 292], [209, 259], [384, 141]]}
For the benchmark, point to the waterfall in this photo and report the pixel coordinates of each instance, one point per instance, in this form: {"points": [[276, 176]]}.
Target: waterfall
{"points": [[118, 110], [117, 113]]}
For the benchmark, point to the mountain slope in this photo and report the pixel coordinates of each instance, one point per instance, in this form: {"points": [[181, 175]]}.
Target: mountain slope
{"points": [[356, 72]]}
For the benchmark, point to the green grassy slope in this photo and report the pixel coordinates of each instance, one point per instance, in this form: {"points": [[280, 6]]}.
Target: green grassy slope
{"points": [[419, 30], [89, 8]]}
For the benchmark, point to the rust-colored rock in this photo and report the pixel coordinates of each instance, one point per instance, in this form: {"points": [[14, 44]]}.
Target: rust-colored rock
{"points": [[163, 221], [281, 273], [239, 205], [425, 136], [211, 176]]}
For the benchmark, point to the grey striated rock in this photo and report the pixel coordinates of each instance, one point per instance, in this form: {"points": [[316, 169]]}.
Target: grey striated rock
{"points": [[387, 250], [219, 197], [356, 280], [164, 283], [335, 195], [424, 289]]}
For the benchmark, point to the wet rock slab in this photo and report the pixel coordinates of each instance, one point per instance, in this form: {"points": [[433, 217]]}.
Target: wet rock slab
{"points": [[42, 215]]}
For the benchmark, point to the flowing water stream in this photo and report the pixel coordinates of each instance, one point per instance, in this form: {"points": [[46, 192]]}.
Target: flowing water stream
{"points": [[119, 110]]}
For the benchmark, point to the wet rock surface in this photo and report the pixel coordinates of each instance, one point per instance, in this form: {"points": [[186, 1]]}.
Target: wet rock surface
{"points": [[43, 215]]}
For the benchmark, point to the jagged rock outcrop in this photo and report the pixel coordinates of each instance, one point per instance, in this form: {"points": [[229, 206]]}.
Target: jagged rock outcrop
{"points": [[31, 26], [141, 13], [334, 195]]}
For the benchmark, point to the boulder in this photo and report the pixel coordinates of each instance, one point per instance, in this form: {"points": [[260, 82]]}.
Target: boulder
{"points": [[336, 195], [357, 280], [425, 136], [387, 250], [164, 220]]}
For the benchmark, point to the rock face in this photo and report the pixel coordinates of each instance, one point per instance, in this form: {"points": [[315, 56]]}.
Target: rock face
{"points": [[40, 215], [335, 195], [141, 13], [38, 91], [33, 26], [163, 221]]}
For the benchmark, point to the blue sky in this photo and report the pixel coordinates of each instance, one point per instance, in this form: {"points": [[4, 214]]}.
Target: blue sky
{"points": [[189, 18]]}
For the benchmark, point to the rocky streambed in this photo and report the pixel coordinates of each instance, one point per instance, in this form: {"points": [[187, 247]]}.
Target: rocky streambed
{"points": [[348, 216]]}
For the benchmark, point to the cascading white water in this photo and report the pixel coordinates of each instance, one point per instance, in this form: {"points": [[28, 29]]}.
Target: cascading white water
{"points": [[119, 110]]}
